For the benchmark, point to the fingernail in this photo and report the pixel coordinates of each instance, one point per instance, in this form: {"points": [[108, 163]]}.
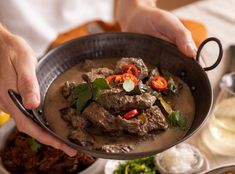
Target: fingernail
{"points": [[191, 49]]}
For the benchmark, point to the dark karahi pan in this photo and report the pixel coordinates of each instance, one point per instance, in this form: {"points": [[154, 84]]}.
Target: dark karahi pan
{"points": [[116, 45]]}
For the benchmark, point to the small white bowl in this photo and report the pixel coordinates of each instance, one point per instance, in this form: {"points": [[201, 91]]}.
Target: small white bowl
{"points": [[112, 165], [200, 165], [6, 130]]}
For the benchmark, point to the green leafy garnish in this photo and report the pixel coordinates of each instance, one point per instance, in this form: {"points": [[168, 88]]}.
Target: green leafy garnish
{"points": [[100, 83], [176, 119], [142, 87], [128, 85], [34, 144], [97, 85], [137, 166], [85, 92], [171, 85], [82, 94]]}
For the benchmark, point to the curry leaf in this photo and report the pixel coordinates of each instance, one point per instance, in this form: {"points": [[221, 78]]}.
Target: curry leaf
{"points": [[34, 144], [176, 119], [100, 83], [95, 93], [85, 92], [97, 85], [171, 83], [82, 94]]}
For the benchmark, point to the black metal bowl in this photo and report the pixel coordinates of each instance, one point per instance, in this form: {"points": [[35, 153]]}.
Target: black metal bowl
{"points": [[116, 45]]}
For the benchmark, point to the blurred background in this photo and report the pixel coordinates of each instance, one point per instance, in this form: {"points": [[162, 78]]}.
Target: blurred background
{"points": [[171, 5]]}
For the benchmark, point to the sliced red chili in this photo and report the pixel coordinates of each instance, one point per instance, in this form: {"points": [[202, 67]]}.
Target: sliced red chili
{"points": [[159, 83], [131, 114], [115, 78], [130, 69], [127, 76]]}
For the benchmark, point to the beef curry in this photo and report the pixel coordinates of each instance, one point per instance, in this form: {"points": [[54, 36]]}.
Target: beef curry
{"points": [[119, 106]]}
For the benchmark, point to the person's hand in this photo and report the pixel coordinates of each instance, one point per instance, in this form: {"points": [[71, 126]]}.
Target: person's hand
{"points": [[142, 16], [17, 72]]}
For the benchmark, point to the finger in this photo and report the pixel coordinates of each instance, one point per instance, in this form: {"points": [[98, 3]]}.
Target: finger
{"points": [[185, 42], [29, 127], [171, 27], [27, 83]]}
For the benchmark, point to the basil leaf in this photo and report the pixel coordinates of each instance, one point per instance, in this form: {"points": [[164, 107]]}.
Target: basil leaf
{"points": [[100, 83], [176, 119], [82, 94], [34, 144]]}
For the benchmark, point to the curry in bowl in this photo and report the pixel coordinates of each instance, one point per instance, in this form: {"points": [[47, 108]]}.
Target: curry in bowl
{"points": [[117, 105]]}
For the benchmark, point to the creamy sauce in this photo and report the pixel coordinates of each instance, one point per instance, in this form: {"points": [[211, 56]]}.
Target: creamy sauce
{"points": [[54, 101]]}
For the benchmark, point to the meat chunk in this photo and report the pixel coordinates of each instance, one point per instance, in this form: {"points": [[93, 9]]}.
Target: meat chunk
{"points": [[116, 100], [138, 62], [155, 120], [70, 116], [81, 137], [105, 121], [97, 73], [18, 157], [67, 89], [118, 148]]}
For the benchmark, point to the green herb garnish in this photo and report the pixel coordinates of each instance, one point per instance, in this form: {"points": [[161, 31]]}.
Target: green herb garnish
{"points": [[171, 85], [176, 119], [137, 166], [82, 94], [85, 92], [34, 144]]}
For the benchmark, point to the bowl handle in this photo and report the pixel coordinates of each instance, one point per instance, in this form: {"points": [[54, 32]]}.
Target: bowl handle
{"points": [[219, 56], [17, 99]]}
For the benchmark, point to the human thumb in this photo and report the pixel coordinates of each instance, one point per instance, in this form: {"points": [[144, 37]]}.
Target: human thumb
{"points": [[27, 83], [186, 44]]}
